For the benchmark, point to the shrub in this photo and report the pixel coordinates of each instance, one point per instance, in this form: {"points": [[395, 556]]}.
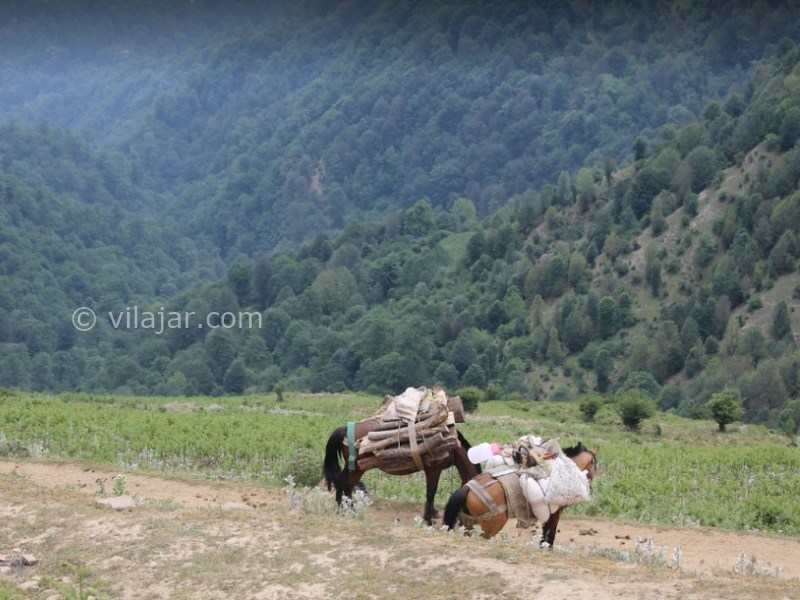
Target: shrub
{"points": [[726, 407], [589, 405], [634, 406], [304, 467]]}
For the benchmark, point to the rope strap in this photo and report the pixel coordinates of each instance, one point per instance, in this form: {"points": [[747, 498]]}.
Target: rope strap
{"points": [[412, 442], [484, 496], [351, 445]]}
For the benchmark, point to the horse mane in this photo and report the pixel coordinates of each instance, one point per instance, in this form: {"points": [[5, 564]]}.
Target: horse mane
{"points": [[466, 445], [576, 449]]}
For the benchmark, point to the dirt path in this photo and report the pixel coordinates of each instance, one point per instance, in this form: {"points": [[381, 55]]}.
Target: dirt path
{"points": [[709, 553], [703, 549]]}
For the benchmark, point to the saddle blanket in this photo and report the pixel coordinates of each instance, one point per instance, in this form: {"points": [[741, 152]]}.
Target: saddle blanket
{"points": [[517, 503]]}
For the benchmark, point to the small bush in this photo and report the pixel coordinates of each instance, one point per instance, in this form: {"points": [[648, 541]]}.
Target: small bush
{"points": [[304, 467], [589, 405], [634, 406], [725, 407]]}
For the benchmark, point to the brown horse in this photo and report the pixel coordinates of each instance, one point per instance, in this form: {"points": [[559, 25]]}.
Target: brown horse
{"points": [[345, 479], [467, 506]]}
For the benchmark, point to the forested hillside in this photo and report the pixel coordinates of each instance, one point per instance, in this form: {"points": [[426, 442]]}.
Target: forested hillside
{"points": [[535, 199], [269, 124]]}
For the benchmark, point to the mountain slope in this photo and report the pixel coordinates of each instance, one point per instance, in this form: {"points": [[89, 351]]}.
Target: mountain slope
{"points": [[272, 124], [493, 251]]}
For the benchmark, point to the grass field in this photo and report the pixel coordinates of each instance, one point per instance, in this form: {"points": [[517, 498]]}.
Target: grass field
{"points": [[674, 471]]}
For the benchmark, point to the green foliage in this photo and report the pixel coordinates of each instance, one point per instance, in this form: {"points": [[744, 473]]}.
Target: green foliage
{"points": [[725, 407], [589, 405], [437, 214], [686, 475], [634, 406], [304, 467], [81, 589]]}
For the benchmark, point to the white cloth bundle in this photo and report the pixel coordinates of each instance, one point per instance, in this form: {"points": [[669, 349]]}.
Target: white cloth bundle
{"points": [[568, 484]]}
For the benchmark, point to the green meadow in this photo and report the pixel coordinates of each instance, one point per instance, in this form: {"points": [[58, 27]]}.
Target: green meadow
{"points": [[673, 471]]}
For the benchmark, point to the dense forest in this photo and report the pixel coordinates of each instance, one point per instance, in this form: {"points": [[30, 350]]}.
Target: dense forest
{"points": [[535, 199]]}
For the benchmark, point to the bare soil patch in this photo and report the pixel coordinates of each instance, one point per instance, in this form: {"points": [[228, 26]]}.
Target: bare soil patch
{"points": [[180, 543]]}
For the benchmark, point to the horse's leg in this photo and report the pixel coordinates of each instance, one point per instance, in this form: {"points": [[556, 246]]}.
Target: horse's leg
{"points": [[352, 481], [347, 480], [431, 485], [550, 527]]}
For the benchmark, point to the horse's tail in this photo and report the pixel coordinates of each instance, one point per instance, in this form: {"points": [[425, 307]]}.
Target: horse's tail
{"points": [[331, 470], [454, 506]]}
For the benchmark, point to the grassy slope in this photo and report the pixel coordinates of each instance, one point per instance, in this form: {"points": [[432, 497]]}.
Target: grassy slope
{"points": [[675, 470]]}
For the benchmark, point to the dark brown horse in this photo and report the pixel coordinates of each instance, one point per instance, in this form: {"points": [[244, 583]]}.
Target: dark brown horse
{"points": [[345, 479], [468, 508]]}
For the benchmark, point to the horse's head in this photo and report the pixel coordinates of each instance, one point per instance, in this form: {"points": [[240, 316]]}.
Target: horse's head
{"points": [[591, 470], [585, 459]]}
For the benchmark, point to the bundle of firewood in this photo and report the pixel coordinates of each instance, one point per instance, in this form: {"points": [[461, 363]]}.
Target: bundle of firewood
{"points": [[397, 445]]}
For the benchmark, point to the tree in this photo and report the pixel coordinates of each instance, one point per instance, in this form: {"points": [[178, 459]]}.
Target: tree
{"points": [[726, 407], [789, 419], [781, 324], [464, 212], [418, 220], [219, 353], [587, 193], [607, 317], [334, 288], [553, 352], [783, 253], [445, 375], [704, 165], [634, 406], [658, 224], [706, 249], [475, 247], [474, 376], [652, 269], [564, 189], [576, 268], [235, 380], [240, 280], [603, 366], [642, 380], [462, 353], [789, 129], [639, 149]]}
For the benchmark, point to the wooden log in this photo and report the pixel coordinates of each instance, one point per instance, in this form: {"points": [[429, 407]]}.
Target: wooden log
{"points": [[456, 406], [437, 415], [403, 433], [367, 462], [401, 438], [403, 461], [405, 464], [390, 424], [429, 444]]}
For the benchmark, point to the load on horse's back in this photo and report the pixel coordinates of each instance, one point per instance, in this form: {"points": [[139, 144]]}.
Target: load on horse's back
{"points": [[412, 432], [532, 480]]}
